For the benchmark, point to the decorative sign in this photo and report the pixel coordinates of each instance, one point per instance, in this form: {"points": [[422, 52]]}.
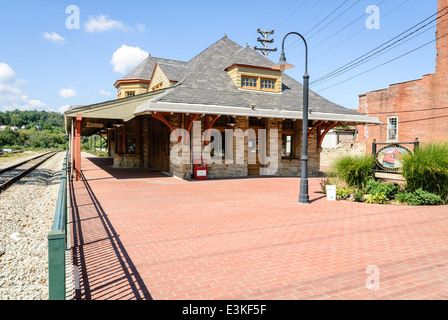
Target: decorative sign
{"points": [[389, 157], [94, 125]]}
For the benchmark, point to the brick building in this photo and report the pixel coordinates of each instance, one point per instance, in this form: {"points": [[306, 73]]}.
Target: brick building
{"points": [[412, 109]]}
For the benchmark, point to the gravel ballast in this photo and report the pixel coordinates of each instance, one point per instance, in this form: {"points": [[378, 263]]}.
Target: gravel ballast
{"points": [[26, 216]]}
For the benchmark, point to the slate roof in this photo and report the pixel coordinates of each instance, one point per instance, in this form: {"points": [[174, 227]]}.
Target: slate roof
{"points": [[205, 81], [172, 71], [145, 69]]}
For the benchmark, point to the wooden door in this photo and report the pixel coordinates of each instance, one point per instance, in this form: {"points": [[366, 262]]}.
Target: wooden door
{"points": [[165, 149], [253, 150], [159, 146]]}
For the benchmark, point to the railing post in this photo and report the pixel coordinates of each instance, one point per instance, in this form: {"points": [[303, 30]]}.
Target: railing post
{"points": [[416, 145], [57, 242], [56, 264]]}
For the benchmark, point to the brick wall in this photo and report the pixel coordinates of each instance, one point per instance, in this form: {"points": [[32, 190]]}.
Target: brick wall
{"points": [[421, 106]]}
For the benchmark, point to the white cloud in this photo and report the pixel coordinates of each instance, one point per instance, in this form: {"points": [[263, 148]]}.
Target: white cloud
{"points": [[11, 96], [103, 23], [67, 93], [6, 73], [63, 108], [105, 93], [127, 57], [53, 37]]}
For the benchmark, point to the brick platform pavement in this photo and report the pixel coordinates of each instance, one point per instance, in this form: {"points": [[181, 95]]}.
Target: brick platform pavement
{"points": [[139, 234]]}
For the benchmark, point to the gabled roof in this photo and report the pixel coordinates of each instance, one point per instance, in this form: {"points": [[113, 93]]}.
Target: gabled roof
{"points": [[145, 69], [205, 81], [172, 72], [249, 57]]}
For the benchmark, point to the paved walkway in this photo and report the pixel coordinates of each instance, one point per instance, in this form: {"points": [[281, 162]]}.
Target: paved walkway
{"points": [[139, 234]]}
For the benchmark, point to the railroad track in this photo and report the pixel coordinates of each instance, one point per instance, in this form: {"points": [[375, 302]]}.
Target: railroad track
{"points": [[13, 173]]}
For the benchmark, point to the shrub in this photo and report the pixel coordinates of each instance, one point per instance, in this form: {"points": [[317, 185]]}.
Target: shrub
{"points": [[354, 170], [357, 196], [374, 187], [344, 193], [401, 197], [419, 198], [379, 198], [427, 169]]}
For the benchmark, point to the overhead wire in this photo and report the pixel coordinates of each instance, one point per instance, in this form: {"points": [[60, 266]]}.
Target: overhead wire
{"points": [[383, 64], [310, 37], [356, 61], [278, 11], [319, 23], [294, 11], [375, 54], [354, 34], [362, 16]]}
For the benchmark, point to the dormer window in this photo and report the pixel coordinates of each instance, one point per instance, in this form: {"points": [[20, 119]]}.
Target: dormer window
{"points": [[267, 84], [249, 83], [255, 78], [258, 83], [130, 94]]}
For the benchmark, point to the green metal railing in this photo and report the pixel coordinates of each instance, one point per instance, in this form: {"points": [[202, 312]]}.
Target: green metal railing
{"points": [[57, 242]]}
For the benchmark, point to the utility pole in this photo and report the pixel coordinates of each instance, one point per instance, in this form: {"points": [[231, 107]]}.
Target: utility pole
{"points": [[265, 41]]}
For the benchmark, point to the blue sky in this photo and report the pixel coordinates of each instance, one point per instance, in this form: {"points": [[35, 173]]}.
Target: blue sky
{"points": [[46, 66]]}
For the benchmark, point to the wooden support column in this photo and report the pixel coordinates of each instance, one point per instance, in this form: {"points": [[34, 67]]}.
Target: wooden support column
{"points": [[77, 147]]}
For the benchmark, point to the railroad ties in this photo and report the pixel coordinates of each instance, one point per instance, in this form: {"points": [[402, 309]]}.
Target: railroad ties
{"points": [[13, 173]]}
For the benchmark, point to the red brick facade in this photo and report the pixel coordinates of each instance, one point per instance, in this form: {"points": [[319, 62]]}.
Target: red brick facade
{"points": [[420, 106]]}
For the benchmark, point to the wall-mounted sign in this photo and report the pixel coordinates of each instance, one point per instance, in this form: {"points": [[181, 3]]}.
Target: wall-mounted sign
{"points": [[94, 125], [389, 158]]}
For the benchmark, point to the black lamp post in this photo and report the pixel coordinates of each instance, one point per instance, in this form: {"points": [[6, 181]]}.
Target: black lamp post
{"points": [[282, 65]]}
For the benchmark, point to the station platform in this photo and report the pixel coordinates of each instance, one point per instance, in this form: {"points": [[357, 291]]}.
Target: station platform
{"points": [[139, 234]]}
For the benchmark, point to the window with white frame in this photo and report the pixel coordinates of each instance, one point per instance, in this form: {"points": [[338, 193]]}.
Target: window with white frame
{"points": [[392, 128]]}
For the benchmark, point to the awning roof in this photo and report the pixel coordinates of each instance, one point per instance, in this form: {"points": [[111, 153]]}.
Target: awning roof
{"points": [[148, 107], [127, 108]]}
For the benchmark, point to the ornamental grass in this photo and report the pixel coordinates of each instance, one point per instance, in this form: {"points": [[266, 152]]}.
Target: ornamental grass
{"points": [[427, 169]]}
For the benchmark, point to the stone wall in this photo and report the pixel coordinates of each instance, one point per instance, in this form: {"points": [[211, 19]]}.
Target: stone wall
{"points": [[125, 160], [239, 168]]}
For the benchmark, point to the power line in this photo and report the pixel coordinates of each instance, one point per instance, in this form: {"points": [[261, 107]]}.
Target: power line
{"points": [[278, 11], [295, 41], [354, 34], [383, 64], [314, 5], [326, 18], [297, 8], [362, 16], [348, 25], [355, 61], [375, 54], [334, 19]]}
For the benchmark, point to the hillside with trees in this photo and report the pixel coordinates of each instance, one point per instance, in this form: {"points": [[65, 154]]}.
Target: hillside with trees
{"points": [[37, 129]]}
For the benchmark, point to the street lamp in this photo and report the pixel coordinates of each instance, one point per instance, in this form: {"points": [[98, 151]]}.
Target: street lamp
{"points": [[282, 65]]}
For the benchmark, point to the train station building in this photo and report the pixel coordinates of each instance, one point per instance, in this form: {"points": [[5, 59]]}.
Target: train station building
{"points": [[225, 87]]}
